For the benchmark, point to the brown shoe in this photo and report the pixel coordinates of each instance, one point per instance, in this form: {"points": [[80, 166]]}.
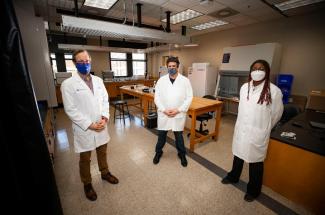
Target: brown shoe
{"points": [[90, 192], [110, 178]]}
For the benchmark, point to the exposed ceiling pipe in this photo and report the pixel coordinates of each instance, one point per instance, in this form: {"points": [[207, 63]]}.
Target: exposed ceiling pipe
{"points": [[72, 47], [168, 21], [91, 16], [76, 11], [139, 14], [93, 27]]}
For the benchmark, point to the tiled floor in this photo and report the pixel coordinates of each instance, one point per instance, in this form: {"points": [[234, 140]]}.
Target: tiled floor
{"points": [[166, 188]]}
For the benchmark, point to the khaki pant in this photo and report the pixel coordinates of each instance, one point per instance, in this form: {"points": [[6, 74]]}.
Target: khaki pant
{"points": [[84, 163]]}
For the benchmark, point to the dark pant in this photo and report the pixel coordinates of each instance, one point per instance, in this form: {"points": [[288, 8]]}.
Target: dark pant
{"points": [[84, 163], [254, 185], [179, 141]]}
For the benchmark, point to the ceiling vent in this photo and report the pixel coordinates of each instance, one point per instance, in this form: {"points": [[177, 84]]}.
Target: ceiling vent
{"points": [[223, 13]]}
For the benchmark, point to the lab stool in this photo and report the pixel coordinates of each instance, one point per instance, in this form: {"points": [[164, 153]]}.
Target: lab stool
{"points": [[122, 113]]}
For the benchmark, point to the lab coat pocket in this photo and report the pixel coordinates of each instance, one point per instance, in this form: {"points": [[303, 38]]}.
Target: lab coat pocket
{"points": [[83, 142], [259, 143], [103, 136], [258, 135], [82, 139]]}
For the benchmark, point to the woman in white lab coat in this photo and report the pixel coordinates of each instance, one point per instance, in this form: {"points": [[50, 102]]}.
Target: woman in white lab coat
{"points": [[260, 108], [173, 97], [85, 102]]}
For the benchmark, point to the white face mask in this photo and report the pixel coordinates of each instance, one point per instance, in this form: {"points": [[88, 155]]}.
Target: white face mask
{"points": [[258, 75]]}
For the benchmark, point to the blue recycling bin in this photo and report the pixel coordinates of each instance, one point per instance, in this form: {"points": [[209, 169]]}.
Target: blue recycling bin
{"points": [[284, 82]]}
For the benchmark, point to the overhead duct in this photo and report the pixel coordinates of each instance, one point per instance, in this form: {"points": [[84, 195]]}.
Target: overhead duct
{"points": [[92, 27], [72, 47]]}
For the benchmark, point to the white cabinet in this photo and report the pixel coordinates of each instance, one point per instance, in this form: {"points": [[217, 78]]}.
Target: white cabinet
{"points": [[203, 78]]}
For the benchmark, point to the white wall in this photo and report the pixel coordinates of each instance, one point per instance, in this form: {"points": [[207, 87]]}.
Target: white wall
{"points": [[303, 48], [37, 52], [99, 59]]}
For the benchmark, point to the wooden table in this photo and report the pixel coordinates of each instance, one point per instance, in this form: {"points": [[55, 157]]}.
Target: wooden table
{"points": [[198, 106]]}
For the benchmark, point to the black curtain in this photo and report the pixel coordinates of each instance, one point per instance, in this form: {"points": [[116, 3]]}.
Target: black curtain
{"points": [[27, 179]]}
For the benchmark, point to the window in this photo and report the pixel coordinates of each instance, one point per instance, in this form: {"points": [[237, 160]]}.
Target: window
{"points": [[69, 63], [128, 64], [53, 63], [119, 63], [139, 64]]}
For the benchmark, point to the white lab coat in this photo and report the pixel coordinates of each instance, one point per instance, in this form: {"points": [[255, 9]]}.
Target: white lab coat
{"points": [[177, 95], [254, 123], [83, 108]]}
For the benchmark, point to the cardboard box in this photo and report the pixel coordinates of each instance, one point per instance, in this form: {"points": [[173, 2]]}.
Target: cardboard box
{"points": [[317, 100]]}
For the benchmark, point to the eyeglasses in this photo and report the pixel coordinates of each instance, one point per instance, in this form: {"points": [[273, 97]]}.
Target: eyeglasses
{"points": [[83, 61]]}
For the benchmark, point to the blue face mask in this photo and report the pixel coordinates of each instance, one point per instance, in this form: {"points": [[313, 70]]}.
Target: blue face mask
{"points": [[172, 71], [83, 68]]}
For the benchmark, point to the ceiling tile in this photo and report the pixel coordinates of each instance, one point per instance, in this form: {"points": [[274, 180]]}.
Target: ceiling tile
{"points": [[247, 6], [185, 3], [174, 8], [229, 2], [154, 2], [265, 14], [208, 8], [240, 19]]}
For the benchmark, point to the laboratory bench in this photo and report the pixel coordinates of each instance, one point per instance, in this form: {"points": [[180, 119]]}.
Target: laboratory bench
{"points": [[112, 87], [295, 168]]}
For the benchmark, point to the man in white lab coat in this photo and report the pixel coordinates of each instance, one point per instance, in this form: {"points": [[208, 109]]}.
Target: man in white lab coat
{"points": [[173, 97], [85, 102], [260, 108]]}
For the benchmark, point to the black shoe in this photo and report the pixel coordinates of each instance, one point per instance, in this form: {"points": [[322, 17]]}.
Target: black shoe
{"points": [[226, 180], [110, 178], [157, 158], [183, 160], [249, 198], [90, 192]]}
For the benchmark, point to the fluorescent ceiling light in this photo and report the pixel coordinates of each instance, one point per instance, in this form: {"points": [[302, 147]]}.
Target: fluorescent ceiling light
{"points": [[91, 27], [183, 16], [191, 45], [209, 25], [295, 3], [103, 4]]}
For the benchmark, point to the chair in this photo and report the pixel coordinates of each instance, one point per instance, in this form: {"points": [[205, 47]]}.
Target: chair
{"points": [[122, 114], [289, 111], [204, 117]]}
